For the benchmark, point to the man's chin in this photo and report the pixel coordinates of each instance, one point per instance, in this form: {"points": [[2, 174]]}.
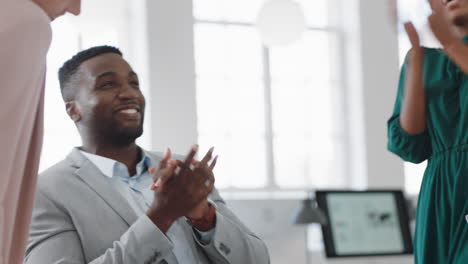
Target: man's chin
{"points": [[126, 135]]}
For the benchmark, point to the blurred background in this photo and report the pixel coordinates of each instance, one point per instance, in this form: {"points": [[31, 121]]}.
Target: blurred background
{"points": [[285, 118]]}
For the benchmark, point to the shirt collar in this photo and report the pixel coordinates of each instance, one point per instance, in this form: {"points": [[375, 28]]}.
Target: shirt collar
{"points": [[108, 166], [144, 164]]}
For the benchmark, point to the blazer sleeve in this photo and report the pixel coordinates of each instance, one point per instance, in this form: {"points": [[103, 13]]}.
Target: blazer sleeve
{"points": [[54, 239], [232, 242], [410, 147]]}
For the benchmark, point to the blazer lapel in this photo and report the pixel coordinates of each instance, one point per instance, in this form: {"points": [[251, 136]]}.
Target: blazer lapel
{"points": [[101, 186]]}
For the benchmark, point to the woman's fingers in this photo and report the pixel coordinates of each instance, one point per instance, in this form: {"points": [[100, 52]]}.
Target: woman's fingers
{"points": [[412, 34]]}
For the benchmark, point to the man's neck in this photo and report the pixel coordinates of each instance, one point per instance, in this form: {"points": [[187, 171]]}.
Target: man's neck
{"points": [[129, 155]]}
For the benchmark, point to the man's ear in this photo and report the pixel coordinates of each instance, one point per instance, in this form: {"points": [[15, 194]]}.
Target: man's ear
{"points": [[73, 111]]}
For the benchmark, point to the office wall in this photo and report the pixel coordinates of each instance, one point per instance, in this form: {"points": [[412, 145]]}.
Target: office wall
{"points": [[371, 50], [379, 54]]}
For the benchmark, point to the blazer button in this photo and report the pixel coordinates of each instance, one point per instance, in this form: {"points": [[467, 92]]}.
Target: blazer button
{"points": [[154, 257], [163, 261], [225, 249]]}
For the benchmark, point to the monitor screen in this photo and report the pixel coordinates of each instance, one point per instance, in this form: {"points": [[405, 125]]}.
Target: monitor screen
{"points": [[365, 223]]}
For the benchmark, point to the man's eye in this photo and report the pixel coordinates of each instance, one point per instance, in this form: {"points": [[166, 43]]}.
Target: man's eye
{"points": [[137, 84], [107, 85]]}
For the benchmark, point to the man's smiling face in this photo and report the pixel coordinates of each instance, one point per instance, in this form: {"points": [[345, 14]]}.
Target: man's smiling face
{"points": [[109, 99]]}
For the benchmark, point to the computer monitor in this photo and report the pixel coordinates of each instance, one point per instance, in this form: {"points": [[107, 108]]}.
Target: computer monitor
{"points": [[365, 223]]}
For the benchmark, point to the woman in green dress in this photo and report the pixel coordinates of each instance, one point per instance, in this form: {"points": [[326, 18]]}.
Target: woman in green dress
{"points": [[430, 122]]}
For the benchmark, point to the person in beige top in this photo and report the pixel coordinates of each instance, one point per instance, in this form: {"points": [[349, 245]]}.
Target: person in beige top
{"points": [[25, 36]]}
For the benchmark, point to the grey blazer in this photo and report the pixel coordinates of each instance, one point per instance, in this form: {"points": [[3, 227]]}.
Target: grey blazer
{"points": [[79, 218]]}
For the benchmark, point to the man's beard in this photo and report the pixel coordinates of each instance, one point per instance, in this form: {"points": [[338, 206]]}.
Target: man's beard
{"points": [[119, 136]]}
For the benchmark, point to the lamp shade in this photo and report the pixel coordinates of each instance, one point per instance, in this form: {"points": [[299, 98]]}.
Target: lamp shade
{"points": [[280, 22], [309, 213]]}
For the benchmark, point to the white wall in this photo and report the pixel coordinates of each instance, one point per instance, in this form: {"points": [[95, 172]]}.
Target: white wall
{"points": [[380, 68], [171, 74], [372, 74]]}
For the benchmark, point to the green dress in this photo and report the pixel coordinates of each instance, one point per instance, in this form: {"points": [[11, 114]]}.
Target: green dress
{"points": [[441, 235]]}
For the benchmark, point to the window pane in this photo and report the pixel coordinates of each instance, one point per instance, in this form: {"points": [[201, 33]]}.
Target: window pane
{"points": [[308, 57], [302, 161], [230, 102], [303, 106], [245, 52], [227, 51], [304, 124], [316, 12], [241, 162], [230, 106], [209, 9], [231, 118], [213, 115], [243, 10], [210, 49], [247, 107]]}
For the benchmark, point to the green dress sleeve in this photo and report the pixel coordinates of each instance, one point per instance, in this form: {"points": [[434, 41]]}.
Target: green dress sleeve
{"points": [[410, 147]]}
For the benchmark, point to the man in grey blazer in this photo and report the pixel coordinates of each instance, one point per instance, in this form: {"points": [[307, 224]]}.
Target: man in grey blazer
{"points": [[106, 203]]}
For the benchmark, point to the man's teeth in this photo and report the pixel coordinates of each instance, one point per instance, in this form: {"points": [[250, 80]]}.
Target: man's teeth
{"points": [[129, 111]]}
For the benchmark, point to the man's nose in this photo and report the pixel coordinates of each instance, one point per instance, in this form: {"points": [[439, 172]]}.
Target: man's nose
{"points": [[128, 92]]}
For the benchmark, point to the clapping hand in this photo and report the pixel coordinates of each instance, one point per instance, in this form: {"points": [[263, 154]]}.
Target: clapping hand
{"points": [[412, 35], [203, 168], [181, 187]]}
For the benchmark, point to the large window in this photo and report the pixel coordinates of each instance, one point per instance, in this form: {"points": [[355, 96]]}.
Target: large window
{"points": [[274, 114]]}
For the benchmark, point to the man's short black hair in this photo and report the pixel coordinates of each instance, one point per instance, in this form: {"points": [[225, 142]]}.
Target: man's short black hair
{"points": [[70, 67]]}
